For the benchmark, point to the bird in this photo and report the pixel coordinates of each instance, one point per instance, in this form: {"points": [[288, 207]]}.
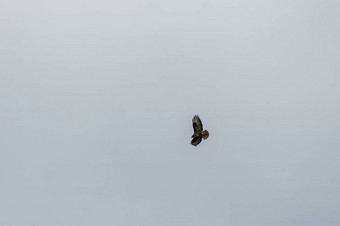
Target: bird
{"points": [[198, 131]]}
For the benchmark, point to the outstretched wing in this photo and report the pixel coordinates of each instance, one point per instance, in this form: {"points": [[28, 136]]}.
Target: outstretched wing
{"points": [[196, 140], [197, 124]]}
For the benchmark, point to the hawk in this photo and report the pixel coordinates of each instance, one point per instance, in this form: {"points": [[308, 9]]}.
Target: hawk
{"points": [[198, 131]]}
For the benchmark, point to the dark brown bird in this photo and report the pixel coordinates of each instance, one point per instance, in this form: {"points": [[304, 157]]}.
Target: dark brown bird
{"points": [[198, 131]]}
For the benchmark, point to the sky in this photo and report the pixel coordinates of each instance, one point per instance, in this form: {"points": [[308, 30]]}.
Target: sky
{"points": [[97, 98]]}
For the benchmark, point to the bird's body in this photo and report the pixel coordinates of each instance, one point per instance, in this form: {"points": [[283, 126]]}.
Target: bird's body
{"points": [[199, 133]]}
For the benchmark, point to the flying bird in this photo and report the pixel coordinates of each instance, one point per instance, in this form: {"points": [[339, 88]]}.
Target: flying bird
{"points": [[198, 131]]}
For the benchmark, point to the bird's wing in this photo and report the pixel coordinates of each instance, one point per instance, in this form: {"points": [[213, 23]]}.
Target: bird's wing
{"points": [[196, 140], [197, 124]]}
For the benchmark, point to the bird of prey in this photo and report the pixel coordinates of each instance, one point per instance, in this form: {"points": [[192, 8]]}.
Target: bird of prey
{"points": [[198, 131]]}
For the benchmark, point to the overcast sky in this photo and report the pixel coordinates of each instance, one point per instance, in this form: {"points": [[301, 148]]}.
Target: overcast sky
{"points": [[97, 97]]}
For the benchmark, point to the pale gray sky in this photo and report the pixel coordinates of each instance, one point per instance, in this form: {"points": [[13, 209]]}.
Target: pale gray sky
{"points": [[97, 97]]}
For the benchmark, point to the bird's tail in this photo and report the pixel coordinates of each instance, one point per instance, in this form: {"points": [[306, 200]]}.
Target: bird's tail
{"points": [[205, 134]]}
